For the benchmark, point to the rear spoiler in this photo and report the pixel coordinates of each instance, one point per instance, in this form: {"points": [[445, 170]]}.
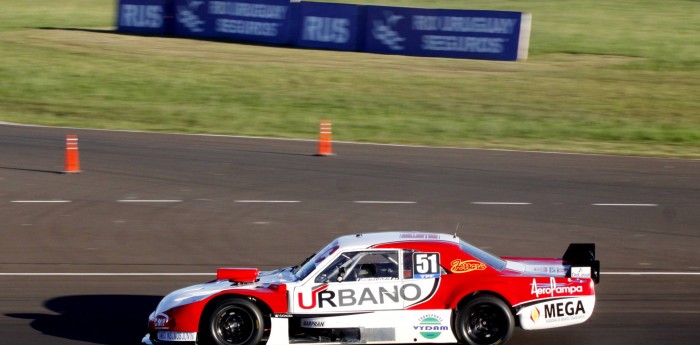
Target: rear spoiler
{"points": [[581, 257]]}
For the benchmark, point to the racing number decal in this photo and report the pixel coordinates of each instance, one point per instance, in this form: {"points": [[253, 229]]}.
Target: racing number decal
{"points": [[426, 265]]}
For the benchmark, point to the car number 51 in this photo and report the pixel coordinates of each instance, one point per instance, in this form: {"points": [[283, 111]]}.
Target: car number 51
{"points": [[426, 265]]}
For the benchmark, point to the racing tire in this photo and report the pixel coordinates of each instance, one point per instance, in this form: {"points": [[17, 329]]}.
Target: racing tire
{"points": [[484, 320], [233, 321]]}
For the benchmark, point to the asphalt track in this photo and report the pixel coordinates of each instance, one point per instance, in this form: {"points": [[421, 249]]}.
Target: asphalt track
{"points": [[160, 203]]}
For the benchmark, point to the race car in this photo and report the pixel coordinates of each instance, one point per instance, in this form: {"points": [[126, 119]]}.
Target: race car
{"points": [[389, 287]]}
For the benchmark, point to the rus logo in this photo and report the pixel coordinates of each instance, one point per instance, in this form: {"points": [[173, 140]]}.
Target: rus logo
{"points": [[141, 16], [328, 30]]}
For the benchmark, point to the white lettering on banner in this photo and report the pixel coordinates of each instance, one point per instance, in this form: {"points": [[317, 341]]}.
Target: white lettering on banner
{"points": [[492, 45], [552, 288], [141, 16], [464, 24], [241, 9], [245, 27], [323, 29]]}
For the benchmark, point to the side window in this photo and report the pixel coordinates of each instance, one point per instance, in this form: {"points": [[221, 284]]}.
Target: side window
{"points": [[380, 265], [336, 271], [362, 265]]}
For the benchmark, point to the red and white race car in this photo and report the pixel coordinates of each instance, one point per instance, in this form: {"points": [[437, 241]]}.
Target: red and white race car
{"points": [[391, 287]]}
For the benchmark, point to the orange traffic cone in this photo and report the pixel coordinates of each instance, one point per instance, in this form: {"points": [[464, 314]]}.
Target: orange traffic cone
{"points": [[324, 139], [72, 158]]}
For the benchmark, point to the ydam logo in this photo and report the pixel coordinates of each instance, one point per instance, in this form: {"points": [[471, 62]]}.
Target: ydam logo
{"points": [[430, 326]]}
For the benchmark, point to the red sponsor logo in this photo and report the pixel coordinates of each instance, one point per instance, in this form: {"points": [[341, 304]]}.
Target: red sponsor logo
{"points": [[464, 266]]}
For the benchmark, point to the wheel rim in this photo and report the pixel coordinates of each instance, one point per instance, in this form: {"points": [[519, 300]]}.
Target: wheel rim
{"points": [[486, 324], [234, 325]]}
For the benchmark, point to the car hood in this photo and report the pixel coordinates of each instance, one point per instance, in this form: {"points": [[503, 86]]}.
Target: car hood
{"points": [[196, 293]]}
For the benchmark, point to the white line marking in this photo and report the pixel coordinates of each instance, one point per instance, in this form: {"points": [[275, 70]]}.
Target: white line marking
{"points": [[137, 200], [651, 273], [500, 203], [39, 201], [630, 205], [269, 201], [383, 202]]}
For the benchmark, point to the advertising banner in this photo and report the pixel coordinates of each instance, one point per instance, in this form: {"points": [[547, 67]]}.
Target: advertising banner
{"points": [[470, 34], [329, 26], [266, 21], [152, 17], [490, 35]]}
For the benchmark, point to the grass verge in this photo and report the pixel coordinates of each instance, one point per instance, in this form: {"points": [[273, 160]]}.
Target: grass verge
{"points": [[620, 77]]}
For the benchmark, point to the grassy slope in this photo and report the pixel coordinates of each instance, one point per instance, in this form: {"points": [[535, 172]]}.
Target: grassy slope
{"points": [[617, 77]]}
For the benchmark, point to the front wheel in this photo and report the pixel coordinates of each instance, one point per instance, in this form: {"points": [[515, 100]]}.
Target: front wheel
{"points": [[485, 320], [234, 321]]}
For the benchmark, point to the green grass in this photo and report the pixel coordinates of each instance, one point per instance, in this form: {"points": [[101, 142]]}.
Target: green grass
{"points": [[617, 77]]}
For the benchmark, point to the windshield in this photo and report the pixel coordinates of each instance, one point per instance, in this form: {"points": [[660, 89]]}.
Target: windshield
{"points": [[310, 264], [483, 256]]}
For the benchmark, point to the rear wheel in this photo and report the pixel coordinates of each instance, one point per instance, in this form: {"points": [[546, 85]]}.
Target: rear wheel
{"points": [[234, 321], [485, 320]]}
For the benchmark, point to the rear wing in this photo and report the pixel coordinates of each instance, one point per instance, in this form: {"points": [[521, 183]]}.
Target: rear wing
{"points": [[581, 257]]}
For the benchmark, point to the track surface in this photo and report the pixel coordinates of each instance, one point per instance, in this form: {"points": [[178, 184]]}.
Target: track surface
{"points": [[513, 203]]}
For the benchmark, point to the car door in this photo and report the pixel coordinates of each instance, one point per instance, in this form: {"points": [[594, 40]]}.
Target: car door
{"points": [[354, 281]]}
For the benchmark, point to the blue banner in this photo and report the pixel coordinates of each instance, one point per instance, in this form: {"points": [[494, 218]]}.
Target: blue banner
{"points": [[145, 16], [329, 26], [491, 35], [471, 34]]}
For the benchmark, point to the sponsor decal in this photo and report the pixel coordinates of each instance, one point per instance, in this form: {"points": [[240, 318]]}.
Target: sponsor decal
{"points": [[580, 272], [535, 314], [552, 288], [430, 326], [322, 298], [314, 298], [177, 336], [285, 316], [460, 266], [312, 324], [559, 312]]}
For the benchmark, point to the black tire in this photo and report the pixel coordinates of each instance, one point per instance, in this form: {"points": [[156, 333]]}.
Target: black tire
{"points": [[234, 321], [484, 320]]}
